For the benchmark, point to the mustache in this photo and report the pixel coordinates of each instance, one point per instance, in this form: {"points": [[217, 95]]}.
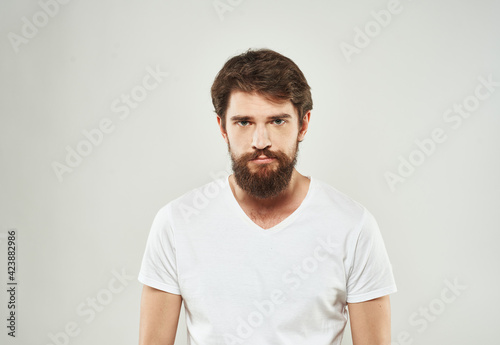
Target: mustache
{"points": [[265, 152]]}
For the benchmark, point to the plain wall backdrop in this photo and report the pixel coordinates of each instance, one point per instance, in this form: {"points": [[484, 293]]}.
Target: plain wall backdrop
{"points": [[405, 121]]}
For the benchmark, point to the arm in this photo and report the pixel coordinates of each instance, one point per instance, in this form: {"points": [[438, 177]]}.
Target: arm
{"points": [[371, 321], [159, 316]]}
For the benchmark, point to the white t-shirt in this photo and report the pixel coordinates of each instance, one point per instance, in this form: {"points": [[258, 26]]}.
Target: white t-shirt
{"points": [[289, 284]]}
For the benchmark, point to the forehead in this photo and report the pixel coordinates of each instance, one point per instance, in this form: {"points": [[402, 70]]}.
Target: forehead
{"points": [[254, 104]]}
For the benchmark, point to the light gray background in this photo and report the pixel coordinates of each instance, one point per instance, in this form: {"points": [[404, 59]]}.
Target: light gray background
{"points": [[439, 225]]}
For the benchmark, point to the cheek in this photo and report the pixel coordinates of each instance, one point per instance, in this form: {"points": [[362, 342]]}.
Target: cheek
{"points": [[236, 145], [240, 139]]}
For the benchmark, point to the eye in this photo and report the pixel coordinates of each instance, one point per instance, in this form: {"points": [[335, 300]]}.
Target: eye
{"points": [[283, 121], [240, 122]]}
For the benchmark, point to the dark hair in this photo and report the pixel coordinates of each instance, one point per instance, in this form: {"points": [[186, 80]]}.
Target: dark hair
{"points": [[265, 72]]}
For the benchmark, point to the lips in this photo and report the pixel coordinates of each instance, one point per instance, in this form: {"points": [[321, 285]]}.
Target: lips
{"points": [[263, 159]]}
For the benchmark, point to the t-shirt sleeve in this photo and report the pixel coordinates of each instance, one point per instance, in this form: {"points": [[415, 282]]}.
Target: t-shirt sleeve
{"points": [[159, 263], [370, 274]]}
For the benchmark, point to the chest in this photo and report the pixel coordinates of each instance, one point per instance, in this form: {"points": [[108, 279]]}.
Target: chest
{"points": [[267, 222], [269, 219], [288, 275]]}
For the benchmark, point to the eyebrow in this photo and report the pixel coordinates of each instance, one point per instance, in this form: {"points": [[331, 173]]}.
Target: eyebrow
{"points": [[271, 117]]}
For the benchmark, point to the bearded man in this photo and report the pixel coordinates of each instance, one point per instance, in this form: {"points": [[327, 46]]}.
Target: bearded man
{"points": [[275, 257]]}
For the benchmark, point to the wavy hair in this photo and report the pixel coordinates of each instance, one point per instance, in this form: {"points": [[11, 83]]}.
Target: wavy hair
{"points": [[265, 72]]}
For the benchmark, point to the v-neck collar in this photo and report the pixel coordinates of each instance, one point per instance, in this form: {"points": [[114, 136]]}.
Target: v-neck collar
{"points": [[280, 225]]}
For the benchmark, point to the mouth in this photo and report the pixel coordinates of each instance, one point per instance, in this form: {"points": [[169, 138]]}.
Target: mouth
{"points": [[262, 160]]}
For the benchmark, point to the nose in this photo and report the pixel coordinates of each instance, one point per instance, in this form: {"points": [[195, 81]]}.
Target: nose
{"points": [[261, 138]]}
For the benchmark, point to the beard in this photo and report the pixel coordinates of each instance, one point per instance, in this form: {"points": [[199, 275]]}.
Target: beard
{"points": [[264, 180]]}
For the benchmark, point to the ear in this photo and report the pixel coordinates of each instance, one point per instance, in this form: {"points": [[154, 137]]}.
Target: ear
{"points": [[222, 131], [305, 125]]}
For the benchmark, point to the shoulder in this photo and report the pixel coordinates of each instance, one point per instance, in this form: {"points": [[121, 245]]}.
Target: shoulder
{"points": [[198, 199], [337, 201]]}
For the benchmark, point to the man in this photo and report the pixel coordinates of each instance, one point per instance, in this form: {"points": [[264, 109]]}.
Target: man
{"points": [[273, 257]]}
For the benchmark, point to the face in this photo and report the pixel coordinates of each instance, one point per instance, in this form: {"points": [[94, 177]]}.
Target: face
{"points": [[263, 140]]}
